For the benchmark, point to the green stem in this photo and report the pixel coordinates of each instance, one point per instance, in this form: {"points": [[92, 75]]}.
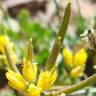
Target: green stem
{"points": [[59, 39], [76, 87], [10, 61], [30, 50]]}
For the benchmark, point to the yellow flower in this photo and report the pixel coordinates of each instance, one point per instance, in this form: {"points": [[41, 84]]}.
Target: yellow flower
{"points": [[29, 70], [76, 72], [4, 40], [16, 80], [67, 57], [46, 79], [80, 58], [34, 90]]}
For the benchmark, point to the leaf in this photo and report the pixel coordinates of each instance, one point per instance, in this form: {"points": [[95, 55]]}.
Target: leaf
{"points": [[59, 39]]}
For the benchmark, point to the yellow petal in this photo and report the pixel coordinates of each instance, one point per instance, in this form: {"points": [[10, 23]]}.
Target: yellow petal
{"points": [[4, 40], [68, 57], [29, 70], [80, 58], [16, 80], [46, 79], [34, 90]]}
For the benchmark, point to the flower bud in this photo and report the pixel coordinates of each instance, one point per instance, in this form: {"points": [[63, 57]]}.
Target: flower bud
{"points": [[76, 72], [29, 70], [80, 57], [16, 80], [67, 57]]}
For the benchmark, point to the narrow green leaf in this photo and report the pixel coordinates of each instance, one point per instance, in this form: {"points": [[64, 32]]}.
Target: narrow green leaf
{"points": [[59, 39]]}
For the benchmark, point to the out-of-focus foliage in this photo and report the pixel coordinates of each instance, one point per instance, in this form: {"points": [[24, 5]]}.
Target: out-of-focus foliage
{"points": [[7, 93], [81, 24], [39, 33], [31, 28]]}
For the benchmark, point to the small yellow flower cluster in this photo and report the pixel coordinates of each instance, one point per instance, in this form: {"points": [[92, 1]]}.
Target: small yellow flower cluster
{"points": [[4, 41], [76, 62], [34, 90], [26, 81], [49, 76]]}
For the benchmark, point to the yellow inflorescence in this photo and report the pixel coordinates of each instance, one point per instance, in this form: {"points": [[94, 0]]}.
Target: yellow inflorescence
{"points": [[27, 81], [46, 79], [4, 40], [17, 81], [23, 83], [76, 62]]}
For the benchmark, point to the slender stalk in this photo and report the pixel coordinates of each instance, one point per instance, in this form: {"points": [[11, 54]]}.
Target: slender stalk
{"points": [[78, 86], [59, 39], [11, 63], [30, 50]]}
